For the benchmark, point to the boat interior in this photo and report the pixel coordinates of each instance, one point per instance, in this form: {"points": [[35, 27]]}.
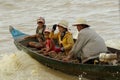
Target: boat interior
{"points": [[110, 50]]}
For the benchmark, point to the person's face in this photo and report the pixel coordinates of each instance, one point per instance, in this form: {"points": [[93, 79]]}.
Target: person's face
{"points": [[60, 28], [40, 24], [79, 27], [46, 35]]}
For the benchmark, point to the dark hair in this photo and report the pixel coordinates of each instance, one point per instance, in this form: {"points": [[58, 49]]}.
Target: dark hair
{"points": [[85, 25], [66, 29]]}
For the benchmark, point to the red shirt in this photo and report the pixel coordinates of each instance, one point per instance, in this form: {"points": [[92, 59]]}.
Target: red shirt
{"points": [[50, 42]]}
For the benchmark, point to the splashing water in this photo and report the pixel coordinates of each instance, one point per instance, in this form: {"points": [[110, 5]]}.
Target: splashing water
{"points": [[20, 66]]}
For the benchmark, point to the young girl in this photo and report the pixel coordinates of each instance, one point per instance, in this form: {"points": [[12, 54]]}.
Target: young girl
{"points": [[49, 43]]}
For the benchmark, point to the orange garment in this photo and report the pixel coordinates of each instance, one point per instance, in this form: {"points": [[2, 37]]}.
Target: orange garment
{"points": [[67, 40]]}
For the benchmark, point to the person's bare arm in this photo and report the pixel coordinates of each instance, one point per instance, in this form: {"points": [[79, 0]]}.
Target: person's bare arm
{"points": [[68, 57]]}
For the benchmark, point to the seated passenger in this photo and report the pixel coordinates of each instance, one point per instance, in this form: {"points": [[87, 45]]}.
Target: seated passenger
{"points": [[64, 37], [49, 43], [39, 34], [88, 45]]}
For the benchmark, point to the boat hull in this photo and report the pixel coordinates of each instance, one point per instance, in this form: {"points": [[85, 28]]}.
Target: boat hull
{"points": [[91, 71]]}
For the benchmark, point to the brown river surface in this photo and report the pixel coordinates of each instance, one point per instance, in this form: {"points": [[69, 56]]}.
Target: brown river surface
{"points": [[102, 15]]}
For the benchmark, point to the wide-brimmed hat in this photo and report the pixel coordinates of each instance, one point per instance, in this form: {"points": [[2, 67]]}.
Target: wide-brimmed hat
{"points": [[80, 21], [63, 23], [41, 19]]}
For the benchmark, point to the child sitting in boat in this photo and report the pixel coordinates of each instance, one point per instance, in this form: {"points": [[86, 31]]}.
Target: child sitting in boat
{"points": [[39, 36], [49, 44]]}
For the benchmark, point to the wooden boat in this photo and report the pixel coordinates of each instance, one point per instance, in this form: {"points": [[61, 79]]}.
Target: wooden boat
{"points": [[91, 71]]}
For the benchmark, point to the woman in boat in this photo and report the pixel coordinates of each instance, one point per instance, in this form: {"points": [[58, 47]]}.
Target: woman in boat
{"points": [[88, 45], [39, 34], [63, 37]]}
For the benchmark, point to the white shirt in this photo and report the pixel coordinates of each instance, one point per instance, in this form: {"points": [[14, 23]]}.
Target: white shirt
{"points": [[88, 45]]}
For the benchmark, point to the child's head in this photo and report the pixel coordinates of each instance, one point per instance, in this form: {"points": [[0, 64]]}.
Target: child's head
{"points": [[46, 33], [40, 21]]}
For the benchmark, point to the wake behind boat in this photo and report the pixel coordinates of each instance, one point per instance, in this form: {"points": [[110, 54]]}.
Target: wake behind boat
{"points": [[92, 71]]}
